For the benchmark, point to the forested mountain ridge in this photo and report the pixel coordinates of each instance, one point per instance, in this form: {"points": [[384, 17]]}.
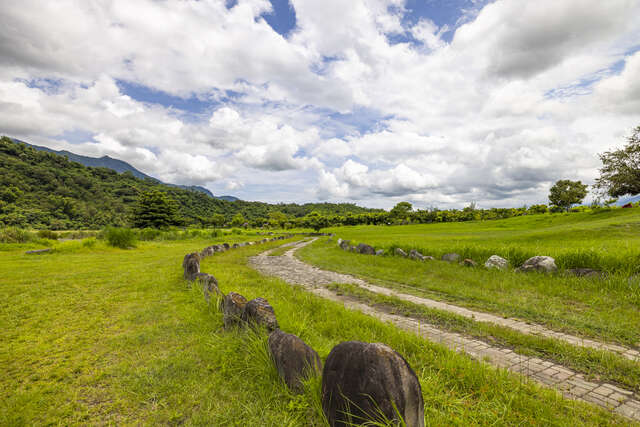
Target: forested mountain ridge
{"points": [[119, 166], [45, 190]]}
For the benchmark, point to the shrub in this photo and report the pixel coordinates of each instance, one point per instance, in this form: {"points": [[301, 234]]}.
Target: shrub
{"points": [[15, 235], [149, 234], [216, 233], [123, 238], [89, 243], [48, 234], [236, 231]]}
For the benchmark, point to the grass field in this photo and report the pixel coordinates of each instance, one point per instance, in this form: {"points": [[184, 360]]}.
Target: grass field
{"points": [[96, 335], [603, 309]]}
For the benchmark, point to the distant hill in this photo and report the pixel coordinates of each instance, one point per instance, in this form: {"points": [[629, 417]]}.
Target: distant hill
{"points": [[627, 199], [119, 166], [44, 189]]}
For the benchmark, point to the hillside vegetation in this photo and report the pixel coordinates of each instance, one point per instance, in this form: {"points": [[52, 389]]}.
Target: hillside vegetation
{"points": [[45, 190]]}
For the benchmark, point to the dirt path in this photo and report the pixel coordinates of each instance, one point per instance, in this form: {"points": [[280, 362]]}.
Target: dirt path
{"points": [[571, 384]]}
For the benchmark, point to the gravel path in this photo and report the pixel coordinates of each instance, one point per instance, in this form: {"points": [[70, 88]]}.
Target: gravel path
{"points": [[571, 384]]}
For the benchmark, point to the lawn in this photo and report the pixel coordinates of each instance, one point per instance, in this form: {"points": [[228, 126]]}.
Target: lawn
{"points": [[96, 335]]}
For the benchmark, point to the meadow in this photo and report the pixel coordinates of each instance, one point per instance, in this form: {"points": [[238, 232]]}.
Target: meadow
{"points": [[99, 335]]}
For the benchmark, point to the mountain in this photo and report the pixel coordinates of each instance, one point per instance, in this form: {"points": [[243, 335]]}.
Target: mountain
{"points": [[44, 189], [627, 199], [119, 166]]}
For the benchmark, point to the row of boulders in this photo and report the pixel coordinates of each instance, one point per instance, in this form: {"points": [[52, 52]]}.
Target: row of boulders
{"points": [[361, 382], [542, 264]]}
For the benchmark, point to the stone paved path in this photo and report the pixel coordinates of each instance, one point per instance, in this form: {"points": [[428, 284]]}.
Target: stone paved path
{"points": [[571, 384]]}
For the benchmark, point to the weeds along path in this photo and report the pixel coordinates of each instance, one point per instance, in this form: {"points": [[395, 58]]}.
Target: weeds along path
{"points": [[571, 384]]}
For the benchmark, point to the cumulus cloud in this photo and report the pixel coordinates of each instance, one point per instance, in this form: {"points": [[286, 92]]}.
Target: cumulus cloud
{"points": [[524, 94]]}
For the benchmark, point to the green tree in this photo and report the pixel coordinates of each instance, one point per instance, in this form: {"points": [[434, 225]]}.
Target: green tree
{"points": [[217, 220], [566, 192], [278, 218], [155, 209], [238, 220], [620, 172], [316, 221], [401, 211]]}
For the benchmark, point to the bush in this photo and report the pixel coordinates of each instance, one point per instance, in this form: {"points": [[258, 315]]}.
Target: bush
{"points": [[216, 233], [15, 235], [123, 238], [149, 234], [236, 231], [48, 234]]}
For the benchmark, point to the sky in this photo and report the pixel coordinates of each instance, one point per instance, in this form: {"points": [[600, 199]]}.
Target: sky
{"points": [[437, 102]]}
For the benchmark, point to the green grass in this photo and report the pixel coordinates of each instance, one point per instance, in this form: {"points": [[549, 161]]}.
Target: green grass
{"points": [[607, 310], [595, 364], [98, 335]]}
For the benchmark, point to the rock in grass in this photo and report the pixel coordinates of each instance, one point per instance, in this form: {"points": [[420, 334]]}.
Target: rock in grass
{"points": [[495, 261], [345, 245], [339, 242], [413, 254], [226, 246], [209, 285], [400, 252], [468, 262], [543, 264], [258, 311], [191, 265], [294, 359], [232, 309], [38, 251], [428, 258], [380, 252], [586, 272], [369, 382], [452, 257], [365, 249]]}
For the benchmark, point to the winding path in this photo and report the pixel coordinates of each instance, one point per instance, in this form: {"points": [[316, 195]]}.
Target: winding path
{"points": [[571, 384]]}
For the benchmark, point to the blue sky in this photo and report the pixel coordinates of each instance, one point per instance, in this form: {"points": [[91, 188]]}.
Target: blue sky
{"points": [[440, 103]]}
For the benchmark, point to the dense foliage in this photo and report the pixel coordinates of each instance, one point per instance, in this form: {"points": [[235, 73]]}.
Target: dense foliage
{"points": [[46, 190], [620, 172], [565, 193]]}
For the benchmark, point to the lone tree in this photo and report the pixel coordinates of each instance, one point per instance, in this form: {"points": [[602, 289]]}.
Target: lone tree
{"points": [[155, 209], [401, 211], [620, 172], [565, 193]]}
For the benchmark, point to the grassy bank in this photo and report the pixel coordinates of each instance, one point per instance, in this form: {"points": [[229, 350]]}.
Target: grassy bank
{"points": [[101, 335]]}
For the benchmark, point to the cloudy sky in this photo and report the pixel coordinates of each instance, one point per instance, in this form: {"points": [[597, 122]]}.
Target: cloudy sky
{"points": [[438, 102]]}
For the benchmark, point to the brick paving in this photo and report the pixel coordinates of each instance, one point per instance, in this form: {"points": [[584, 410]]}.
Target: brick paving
{"points": [[571, 384]]}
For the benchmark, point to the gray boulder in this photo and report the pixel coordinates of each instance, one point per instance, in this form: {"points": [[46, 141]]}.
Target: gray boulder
{"points": [[428, 258], [413, 254], [339, 242], [235, 246], [495, 261], [191, 265], [400, 252], [370, 382], [294, 359], [365, 249], [226, 246], [380, 252], [233, 306], [258, 311], [209, 285], [345, 245], [452, 257], [543, 264]]}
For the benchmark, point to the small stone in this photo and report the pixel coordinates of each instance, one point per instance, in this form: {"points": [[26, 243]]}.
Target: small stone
{"points": [[365, 249], [496, 261], [380, 252], [413, 254], [226, 246], [191, 265], [452, 257], [400, 252], [38, 251], [294, 359], [339, 242], [543, 264], [586, 272], [468, 262], [235, 246], [345, 244], [209, 285], [369, 382], [428, 258], [232, 309], [259, 311]]}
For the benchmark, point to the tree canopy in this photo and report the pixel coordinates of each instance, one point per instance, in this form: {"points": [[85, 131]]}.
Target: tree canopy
{"points": [[566, 192], [620, 172], [155, 210]]}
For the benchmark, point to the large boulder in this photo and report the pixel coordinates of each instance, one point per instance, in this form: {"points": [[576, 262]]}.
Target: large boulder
{"points": [[258, 311], [400, 252], [370, 382], [495, 261], [209, 285], [413, 254], [543, 264], [191, 265], [294, 359], [365, 249], [452, 257], [233, 306]]}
